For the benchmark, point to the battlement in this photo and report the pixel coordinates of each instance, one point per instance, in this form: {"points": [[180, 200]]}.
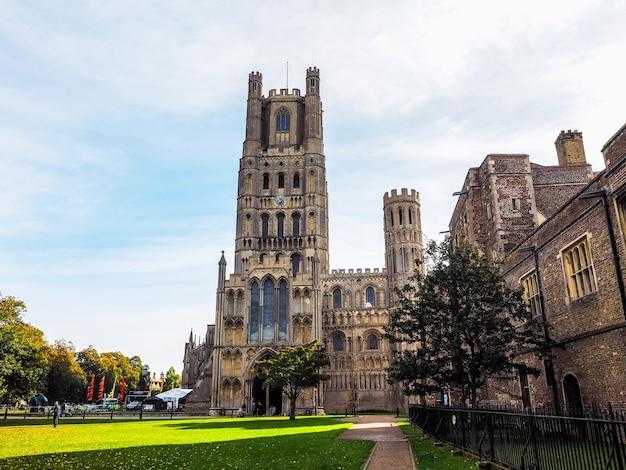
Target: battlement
{"points": [[255, 76], [404, 195], [285, 92], [575, 134], [358, 271], [312, 72]]}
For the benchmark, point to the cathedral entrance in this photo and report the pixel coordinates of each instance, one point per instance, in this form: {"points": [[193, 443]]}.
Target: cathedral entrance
{"points": [[269, 401]]}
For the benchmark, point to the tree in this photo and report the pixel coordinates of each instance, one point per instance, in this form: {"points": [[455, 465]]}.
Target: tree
{"points": [[90, 362], [142, 372], [23, 353], [294, 369], [117, 365], [144, 378], [113, 366], [66, 380], [467, 325], [172, 379]]}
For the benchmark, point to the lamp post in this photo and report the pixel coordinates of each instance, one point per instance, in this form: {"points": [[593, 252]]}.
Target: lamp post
{"points": [[546, 334], [604, 194]]}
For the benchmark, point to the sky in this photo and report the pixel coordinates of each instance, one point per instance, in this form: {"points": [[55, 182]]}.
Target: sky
{"points": [[122, 123]]}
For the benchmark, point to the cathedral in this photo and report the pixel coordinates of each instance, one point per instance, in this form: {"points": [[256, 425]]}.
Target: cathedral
{"points": [[281, 290]]}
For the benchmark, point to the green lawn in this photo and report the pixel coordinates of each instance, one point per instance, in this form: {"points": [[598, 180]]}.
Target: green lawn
{"points": [[206, 443], [431, 457], [305, 443]]}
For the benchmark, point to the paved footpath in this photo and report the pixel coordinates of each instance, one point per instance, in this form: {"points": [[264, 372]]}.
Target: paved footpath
{"points": [[392, 449]]}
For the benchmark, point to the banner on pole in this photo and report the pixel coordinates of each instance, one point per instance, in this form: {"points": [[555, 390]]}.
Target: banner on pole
{"points": [[101, 391], [90, 387], [122, 391]]}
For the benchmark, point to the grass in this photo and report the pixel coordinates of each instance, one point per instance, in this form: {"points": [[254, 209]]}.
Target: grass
{"points": [[428, 456], [208, 443], [250, 443]]}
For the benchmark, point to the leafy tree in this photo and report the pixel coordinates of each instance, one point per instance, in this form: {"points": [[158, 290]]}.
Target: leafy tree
{"points": [[112, 365], [467, 325], [172, 379], [90, 362], [134, 378], [23, 353], [117, 365], [144, 378], [66, 380], [294, 369]]}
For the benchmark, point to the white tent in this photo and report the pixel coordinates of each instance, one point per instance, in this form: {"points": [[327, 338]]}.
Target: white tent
{"points": [[172, 396]]}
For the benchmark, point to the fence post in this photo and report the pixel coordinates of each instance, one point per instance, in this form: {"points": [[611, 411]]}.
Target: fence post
{"points": [[617, 447], [463, 436], [492, 452], [533, 435]]}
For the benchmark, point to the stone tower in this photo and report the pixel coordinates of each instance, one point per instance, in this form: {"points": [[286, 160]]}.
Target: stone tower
{"points": [[272, 298], [403, 236], [570, 149]]}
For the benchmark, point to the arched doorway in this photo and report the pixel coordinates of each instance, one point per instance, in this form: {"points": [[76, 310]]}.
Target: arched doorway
{"points": [[573, 399], [267, 399]]}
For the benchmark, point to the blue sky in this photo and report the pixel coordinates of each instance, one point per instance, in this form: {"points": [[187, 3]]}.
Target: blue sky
{"points": [[121, 126]]}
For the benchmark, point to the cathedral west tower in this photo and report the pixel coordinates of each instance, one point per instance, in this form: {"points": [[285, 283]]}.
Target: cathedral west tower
{"points": [[281, 291], [281, 245]]}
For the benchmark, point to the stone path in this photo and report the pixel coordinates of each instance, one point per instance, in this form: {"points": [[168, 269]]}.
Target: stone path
{"points": [[392, 449]]}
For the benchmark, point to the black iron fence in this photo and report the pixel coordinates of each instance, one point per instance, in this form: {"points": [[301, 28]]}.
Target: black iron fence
{"points": [[528, 441]]}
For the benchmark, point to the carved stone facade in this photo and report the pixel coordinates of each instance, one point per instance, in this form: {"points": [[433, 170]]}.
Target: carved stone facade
{"points": [[282, 291]]}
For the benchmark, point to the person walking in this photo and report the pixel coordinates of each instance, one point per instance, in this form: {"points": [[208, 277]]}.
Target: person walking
{"points": [[56, 412]]}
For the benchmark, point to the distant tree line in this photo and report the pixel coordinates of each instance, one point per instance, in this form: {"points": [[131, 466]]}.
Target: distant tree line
{"points": [[29, 364]]}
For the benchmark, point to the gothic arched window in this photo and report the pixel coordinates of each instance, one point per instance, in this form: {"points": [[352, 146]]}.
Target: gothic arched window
{"points": [[372, 341], [268, 309], [338, 343], [296, 181], [265, 223], [280, 218], [266, 181], [254, 311], [281, 180], [283, 120], [282, 309], [295, 217], [337, 301], [370, 297], [295, 264]]}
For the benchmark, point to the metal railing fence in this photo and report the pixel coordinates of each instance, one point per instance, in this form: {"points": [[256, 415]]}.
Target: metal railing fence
{"points": [[528, 441]]}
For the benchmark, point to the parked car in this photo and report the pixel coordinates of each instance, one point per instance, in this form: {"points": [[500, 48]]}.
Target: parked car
{"points": [[133, 405]]}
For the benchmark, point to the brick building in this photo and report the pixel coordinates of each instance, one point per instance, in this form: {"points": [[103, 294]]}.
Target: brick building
{"points": [[561, 231]]}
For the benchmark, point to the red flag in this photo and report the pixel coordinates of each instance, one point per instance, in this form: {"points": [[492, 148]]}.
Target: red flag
{"points": [[90, 387], [101, 391], [122, 387]]}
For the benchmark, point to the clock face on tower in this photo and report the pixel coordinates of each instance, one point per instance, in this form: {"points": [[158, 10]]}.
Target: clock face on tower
{"points": [[280, 201]]}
